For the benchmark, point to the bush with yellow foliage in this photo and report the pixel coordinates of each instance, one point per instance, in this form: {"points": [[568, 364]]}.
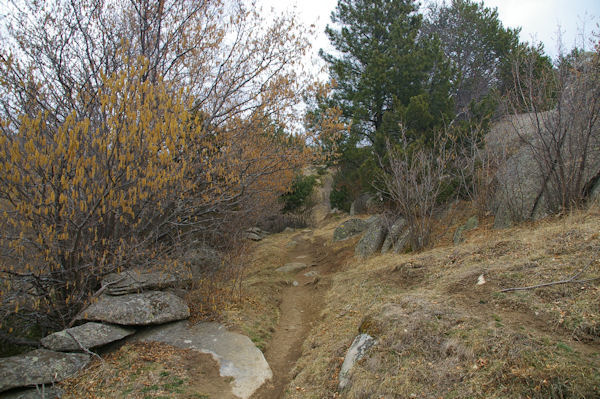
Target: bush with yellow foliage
{"points": [[127, 133]]}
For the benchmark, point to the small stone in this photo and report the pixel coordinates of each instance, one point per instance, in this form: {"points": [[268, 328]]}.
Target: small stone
{"points": [[291, 267], [361, 344], [481, 280], [253, 236], [295, 283]]}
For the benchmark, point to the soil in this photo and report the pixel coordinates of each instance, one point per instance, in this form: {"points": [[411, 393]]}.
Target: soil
{"points": [[203, 373], [300, 307]]}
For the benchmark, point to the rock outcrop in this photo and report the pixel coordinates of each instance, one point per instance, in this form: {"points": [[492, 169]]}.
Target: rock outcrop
{"points": [[373, 238], [527, 181], [38, 367], [397, 236], [88, 335], [349, 228], [237, 356], [471, 224], [519, 195], [320, 199], [153, 307], [361, 344], [359, 205]]}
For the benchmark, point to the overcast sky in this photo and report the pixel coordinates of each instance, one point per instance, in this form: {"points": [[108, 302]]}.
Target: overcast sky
{"points": [[539, 19]]}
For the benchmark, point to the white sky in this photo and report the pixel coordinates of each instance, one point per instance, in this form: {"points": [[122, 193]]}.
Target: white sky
{"points": [[539, 19]]}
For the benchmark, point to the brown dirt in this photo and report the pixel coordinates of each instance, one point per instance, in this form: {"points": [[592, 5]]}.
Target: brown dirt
{"points": [[300, 307]]}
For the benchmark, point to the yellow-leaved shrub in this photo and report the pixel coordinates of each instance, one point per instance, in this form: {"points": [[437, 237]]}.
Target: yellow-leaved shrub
{"points": [[94, 193]]}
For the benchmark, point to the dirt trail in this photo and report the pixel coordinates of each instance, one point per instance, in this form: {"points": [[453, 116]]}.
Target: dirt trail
{"points": [[300, 307]]}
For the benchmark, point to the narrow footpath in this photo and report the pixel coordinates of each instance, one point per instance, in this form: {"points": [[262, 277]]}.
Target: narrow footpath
{"points": [[300, 307]]}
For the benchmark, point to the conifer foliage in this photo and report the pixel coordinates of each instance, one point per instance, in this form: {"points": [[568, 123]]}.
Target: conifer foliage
{"points": [[387, 70]]}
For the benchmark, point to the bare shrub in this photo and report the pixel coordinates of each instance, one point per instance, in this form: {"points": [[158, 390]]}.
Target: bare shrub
{"points": [[475, 166], [562, 127], [414, 178]]}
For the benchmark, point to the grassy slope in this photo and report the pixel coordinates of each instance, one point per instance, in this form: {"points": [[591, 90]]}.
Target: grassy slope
{"points": [[441, 335]]}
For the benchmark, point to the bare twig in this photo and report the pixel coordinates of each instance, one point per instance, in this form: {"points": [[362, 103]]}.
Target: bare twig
{"points": [[570, 280], [83, 348], [94, 296]]}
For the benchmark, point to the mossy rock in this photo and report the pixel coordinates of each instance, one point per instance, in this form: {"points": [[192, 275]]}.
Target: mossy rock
{"points": [[371, 326]]}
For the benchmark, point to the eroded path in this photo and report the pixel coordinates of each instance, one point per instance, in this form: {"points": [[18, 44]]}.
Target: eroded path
{"points": [[300, 307]]}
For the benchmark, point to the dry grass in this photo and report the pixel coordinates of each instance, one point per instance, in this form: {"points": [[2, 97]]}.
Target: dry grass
{"points": [[150, 370], [439, 334], [442, 336]]}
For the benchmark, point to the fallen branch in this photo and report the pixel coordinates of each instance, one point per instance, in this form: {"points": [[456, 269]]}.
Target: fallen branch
{"points": [[570, 280], [83, 348], [94, 296]]}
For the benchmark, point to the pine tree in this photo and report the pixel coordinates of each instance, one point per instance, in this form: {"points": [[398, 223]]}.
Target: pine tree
{"points": [[478, 47], [386, 70]]}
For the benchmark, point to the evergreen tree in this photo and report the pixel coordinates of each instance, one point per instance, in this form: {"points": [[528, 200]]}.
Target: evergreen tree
{"points": [[387, 70], [478, 46]]}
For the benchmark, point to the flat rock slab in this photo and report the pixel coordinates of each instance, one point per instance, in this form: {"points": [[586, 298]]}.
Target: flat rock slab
{"points": [[89, 335], [291, 267], [40, 366], [41, 392], [134, 281], [237, 356], [153, 307]]}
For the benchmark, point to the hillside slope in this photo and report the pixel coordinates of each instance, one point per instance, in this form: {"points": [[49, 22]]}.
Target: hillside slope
{"points": [[440, 334]]}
